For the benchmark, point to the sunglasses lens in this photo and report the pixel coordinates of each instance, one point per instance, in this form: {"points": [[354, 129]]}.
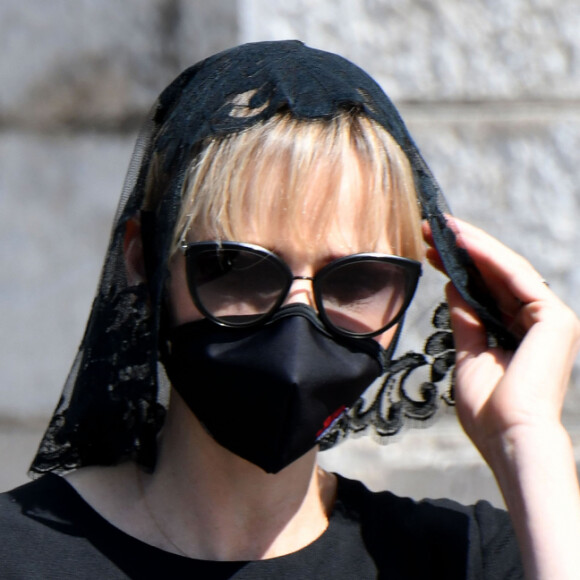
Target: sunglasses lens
{"points": [[236, 286], [365, 296], [240, 285]]}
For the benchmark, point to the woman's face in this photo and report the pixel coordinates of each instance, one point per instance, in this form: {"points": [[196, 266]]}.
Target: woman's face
{"points": [[305, 255]]}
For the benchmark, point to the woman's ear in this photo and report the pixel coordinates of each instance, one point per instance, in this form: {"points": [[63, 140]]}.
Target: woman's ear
{"points": [[133, 251]]}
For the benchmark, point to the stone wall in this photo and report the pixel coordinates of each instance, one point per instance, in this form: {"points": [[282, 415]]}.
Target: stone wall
{"points": [[489, 89]]}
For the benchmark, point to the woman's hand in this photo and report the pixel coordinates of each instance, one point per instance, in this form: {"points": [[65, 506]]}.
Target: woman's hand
{"points": [[510, 403], [498, 391]]}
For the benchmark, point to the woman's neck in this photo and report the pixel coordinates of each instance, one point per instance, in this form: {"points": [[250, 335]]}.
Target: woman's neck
{"points": [[204, 502]]}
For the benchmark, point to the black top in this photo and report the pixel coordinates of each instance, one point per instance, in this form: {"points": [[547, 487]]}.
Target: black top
{"points": [[48, 531]]}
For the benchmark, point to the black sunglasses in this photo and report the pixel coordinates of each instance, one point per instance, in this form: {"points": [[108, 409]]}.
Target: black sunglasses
{"points": [[242, 285]]}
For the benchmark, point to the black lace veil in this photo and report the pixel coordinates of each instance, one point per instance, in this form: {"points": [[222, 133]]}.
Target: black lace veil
{"points": [[113, 403]]}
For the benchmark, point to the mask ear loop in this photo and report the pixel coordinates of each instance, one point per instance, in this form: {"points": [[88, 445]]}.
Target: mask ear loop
{"points": [[387, 354], [147, 237]]}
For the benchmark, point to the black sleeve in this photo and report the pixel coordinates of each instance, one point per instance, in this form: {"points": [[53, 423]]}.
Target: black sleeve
{"points": [[498, 551], [436, 538]]}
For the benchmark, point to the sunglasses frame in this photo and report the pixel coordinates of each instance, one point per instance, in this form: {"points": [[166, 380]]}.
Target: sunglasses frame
{"points": [[193, 249]]}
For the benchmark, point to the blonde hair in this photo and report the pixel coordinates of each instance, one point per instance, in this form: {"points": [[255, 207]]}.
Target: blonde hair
{"points": [[241, 180]]}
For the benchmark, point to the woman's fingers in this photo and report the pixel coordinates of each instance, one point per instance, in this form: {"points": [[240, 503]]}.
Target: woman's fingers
{"points": [[531, 381], [434, 259], [510, 278], [468, 331], [500, 263]]}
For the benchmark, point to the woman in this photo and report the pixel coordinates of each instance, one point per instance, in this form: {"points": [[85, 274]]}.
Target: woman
{"points": [[265, 251]]}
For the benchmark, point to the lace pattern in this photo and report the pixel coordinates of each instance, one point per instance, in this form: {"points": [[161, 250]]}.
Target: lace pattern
{"points": [[385, 412]]}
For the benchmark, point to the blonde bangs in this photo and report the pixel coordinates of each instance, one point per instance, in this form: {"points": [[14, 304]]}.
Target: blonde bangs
{"points": [[265, 175]]}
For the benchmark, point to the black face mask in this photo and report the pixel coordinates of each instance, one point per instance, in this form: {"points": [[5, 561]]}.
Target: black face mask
{"points": [[269, 394]]}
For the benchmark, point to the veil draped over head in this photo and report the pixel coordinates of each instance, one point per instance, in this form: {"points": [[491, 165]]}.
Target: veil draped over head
{"points": [[111, 407]]}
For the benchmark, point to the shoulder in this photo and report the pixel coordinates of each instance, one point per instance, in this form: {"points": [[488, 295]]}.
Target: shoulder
{"points": [[45, 499], [443, 532], [43, 524], [441, 513], [44, 507]]}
